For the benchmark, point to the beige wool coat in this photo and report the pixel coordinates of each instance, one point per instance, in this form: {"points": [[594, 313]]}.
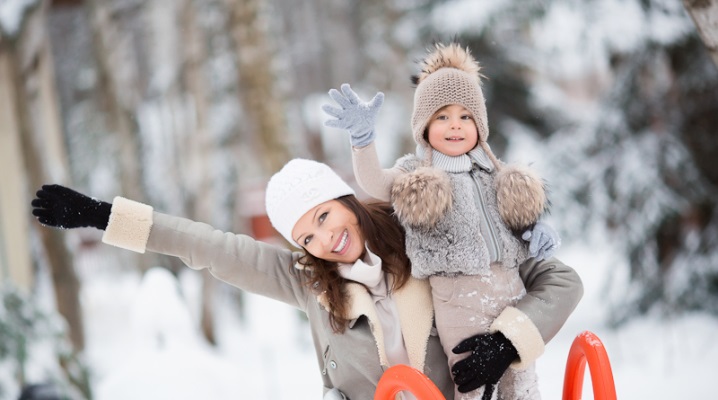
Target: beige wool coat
{"points": [[352, 361]]}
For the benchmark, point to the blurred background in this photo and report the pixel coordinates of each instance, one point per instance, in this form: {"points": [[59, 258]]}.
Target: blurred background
{"points": [[190, 105]]}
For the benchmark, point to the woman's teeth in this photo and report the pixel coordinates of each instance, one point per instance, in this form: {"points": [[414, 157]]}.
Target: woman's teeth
{"points": [[342, 243]]}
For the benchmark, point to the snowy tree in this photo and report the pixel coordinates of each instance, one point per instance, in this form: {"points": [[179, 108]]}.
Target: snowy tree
{"points": [[621, 98], [638, 156], [34, 349], [183, 104], [35, 134], [188, 104]]}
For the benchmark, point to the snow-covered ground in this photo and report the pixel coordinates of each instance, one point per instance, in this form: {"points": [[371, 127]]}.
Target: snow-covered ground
{"points": [[651, 358], [143, 343]]}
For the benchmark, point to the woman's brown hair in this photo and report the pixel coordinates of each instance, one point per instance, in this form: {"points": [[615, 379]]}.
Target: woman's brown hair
{"points": [[385, 238]]}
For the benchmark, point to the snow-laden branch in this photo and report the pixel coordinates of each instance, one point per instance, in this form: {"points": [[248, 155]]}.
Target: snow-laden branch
{"points": [[12, 14]]}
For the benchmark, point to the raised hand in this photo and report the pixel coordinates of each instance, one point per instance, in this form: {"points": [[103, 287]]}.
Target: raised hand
{"points": [[64, 208], [354, 115], [491, 354], [543, 241]]}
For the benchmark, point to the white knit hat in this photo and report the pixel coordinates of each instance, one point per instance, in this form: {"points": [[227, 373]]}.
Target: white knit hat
{"points": [[297, 188]]}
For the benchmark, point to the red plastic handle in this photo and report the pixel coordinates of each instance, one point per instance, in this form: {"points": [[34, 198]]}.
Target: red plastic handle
{"points": [[588, 347], [403, 377]]}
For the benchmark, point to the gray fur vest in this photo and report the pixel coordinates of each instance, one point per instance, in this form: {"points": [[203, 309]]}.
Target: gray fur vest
{"points": [[452, 244]]}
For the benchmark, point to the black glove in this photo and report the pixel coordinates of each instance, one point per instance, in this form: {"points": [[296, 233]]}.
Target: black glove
{"points": [[491, 355], [65, 208]]}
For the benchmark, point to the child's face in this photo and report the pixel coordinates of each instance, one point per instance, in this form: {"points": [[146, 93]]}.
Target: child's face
{"points": [[452, 131]]}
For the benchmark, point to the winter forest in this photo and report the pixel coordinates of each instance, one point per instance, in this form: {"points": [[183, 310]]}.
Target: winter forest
{"points": [[190, 105]]}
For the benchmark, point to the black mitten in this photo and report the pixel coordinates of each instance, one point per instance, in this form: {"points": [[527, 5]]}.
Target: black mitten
{"points": [[491, 354], [65, 208]]}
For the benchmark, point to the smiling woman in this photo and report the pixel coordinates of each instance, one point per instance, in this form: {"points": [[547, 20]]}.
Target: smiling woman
{"points": [[330, 231], [351, 278]]}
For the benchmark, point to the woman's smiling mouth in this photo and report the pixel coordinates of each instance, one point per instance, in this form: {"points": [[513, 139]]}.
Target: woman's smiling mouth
{"points": [[342, 243]]}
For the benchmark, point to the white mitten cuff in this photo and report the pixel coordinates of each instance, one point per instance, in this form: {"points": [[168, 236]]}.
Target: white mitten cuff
{"points": [[523, 334], [129, 225]]}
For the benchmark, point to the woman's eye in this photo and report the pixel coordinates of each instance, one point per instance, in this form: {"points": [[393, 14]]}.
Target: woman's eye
{"points": [[307, 240], [323, 217]]}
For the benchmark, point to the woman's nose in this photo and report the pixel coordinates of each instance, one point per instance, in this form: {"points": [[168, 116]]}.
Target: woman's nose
{"points": [[325, 237]]}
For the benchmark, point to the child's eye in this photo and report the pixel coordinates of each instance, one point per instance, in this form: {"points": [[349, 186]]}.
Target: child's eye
{"points": [[467, 116], [441, 117]]}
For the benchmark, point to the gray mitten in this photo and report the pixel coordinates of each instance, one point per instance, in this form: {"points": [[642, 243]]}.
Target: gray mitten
{"points": [[354, 115], [544, 241]]}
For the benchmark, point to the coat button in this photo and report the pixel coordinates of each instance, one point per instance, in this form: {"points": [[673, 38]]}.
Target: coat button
{"points": [[333, 364]]}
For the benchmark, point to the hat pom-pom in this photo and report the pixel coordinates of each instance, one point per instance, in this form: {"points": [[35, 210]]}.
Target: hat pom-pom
{"points": [[448, 56], [521, 196], [422, 197]]}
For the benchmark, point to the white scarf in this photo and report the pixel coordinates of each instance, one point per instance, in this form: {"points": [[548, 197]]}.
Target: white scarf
{"points": [[368, 271]]}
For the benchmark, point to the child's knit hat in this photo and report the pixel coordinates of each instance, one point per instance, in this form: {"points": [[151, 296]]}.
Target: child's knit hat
{"points": [[297, 188], [449, 75]]}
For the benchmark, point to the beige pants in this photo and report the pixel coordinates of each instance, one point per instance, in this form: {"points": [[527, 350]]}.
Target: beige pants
{"points": [[467, 305]]}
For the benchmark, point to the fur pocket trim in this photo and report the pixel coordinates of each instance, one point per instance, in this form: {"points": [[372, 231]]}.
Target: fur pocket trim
{"points": [[520, 195], [422, 197]]}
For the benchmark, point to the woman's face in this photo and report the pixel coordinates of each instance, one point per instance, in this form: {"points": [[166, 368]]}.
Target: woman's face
{"points": [[330, 231], [452, 131]]}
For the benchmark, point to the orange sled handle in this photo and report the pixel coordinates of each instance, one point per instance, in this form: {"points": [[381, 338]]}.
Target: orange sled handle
{"points": [[588, 347], [403, 377]]}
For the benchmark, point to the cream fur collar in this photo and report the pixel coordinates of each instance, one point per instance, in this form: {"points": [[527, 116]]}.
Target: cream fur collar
{"points": [[416, 314]]}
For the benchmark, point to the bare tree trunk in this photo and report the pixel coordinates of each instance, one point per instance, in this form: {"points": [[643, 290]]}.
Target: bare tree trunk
{"points": [[44, 154], [349, 53], [199, 147], [264, 110], [705, 16], [117, 82], [15, 262]]}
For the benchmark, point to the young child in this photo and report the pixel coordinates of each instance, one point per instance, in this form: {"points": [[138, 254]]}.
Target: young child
{"points": [[462, 210]]}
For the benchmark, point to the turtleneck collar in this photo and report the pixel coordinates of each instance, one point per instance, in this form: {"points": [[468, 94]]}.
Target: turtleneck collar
{"points": [[456, 164], [453, 164], [367, 271]]}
